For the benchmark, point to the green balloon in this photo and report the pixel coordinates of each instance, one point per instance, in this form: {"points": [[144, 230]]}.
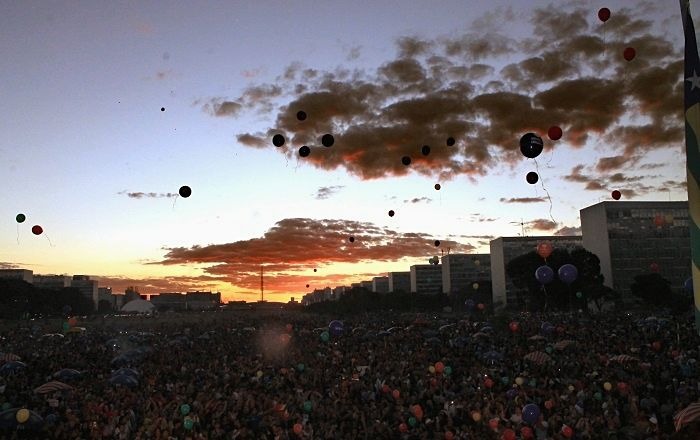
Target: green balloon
{"points": [[549, 349], [189, 423], [307, 406], [579, 295], [598, 396], [300, 367], [533, 383], [21, 218], [184, 409], [325, 336], [65, 326], [505, 380], [447, 370], [412, 421]]}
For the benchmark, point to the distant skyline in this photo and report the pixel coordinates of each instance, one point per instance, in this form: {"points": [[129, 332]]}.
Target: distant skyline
{"points": [[108, 111]]}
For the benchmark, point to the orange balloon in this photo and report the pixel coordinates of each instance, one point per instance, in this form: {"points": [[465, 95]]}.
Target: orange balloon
{"points": [[508, 434], [396, 394], [417, 411], [493, 424], [544, 249], [476, 416], [73, 321]]}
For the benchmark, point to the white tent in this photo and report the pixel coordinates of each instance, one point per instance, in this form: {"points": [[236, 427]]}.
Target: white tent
{"points": [[138, 306]]}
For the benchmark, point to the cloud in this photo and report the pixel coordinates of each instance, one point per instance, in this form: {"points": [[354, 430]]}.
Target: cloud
{"points": [[612, 163], [159, 285], [568, 231], [293, 246], [326, 191], [148, 195], [6, 265], [523, 200], [251, 73], [419, 200], [219, 108], [542, 224]]}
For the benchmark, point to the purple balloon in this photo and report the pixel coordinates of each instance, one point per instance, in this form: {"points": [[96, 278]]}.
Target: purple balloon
{"points": [[568, 273], [544, 274], [531, 413], [335, 328], [511, 393]]}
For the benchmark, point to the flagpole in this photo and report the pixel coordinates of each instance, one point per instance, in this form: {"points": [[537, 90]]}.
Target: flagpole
{"points": [[691, 83]]}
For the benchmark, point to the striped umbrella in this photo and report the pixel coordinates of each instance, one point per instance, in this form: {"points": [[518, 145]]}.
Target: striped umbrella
{"points": [[537, 357], [561, 345], [689, 414], [623, 358], [51, 387], [536, 338], [9, 357]]}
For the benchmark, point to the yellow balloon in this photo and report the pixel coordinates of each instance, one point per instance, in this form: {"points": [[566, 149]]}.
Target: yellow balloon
{"points": [[22, 415], [519, 381], [259, 373], [475, 286], [669, 219], [571, 388], [476, 416], [607, 386], [477, 262], [431, 369]]}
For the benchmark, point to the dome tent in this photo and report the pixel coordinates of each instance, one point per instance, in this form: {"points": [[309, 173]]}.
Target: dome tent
{"points": [[138, 306]]}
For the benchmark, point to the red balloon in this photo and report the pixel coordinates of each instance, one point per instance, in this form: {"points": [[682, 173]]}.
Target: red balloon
{"points": [[659, 220], [449, 435], [654, 267], [616, 195], [548, 404], [508, 434], [554, 133], [396, 394], [567, 431], [629, 53], [37, 230], [403, 427], [493, 424], [604, 14], [621, 386], [526, 433], [289, 328], [297, 428], [385, 388], [514, 326], [544, 249], [417, 411], [656, 345], [488, 383], [439, 367]]}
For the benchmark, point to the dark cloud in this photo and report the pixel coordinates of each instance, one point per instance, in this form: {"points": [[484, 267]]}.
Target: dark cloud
{"points": [[148, 195], [523, 199], [326, 191], [612, 163], [6, 265], [568, 230], [160, 285], [542, 224], [219, 108], [294, 246], [419, 200]]}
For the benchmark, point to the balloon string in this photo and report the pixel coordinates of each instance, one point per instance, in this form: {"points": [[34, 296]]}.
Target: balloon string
{"points": [[47, 237], [174, 201], [537, 167], [17, 234]]}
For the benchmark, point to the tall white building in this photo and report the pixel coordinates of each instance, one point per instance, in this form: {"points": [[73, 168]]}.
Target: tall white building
{"points": [[426, 279]]}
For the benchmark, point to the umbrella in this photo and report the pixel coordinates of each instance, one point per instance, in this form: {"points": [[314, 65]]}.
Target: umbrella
{"points": [[561, 345], [460, 341], [537, 357], [8, 357], [124, 380], [67, 374], [536, 338], [127, 371], [8, 420], [51, 387], [446, 327], [121, 360], [430, 334], [687, 415], [12, 367], [623, 358], [480, 335], [52, 335], [433, 341], [493, 356]]}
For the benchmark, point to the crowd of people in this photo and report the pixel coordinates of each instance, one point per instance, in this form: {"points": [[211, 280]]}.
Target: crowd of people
{"points": [[288, 375]]}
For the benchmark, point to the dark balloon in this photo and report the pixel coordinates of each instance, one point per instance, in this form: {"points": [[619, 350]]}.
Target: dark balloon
{"points": [[544, 274], [327, 140], [37, 230], [554, 133], [531, 145], [437, 186], [450, 141], [351, 239], [425, 150], [314, 270], [185, 191], [162, 109], [568, 273], [437, 243], [391, 213], [406, 160], [307, 286], [654, 267], [304, 151], [278, 140], [616, 195], [629, 53], [688, 285], [301, 115], [604, 14], [20, 218], [532, 177]]}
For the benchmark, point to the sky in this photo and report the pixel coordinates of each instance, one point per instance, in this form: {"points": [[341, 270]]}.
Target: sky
{"points": [[108, 109]]}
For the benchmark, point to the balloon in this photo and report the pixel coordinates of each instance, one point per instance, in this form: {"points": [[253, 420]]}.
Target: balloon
{"points": [[511, 393], [439, 367], [531, 413], [308, 406], [476, 416], [480, 306], [351, 239], [607, 386], [533, 383], [301, 115], [688, 285], [396, 394], [579, 295], [616, 195], [184, 409], [488, 383], [544, 274], [656, 345], [325, 336], [470, 303], [278, 140], [548, 404], [508, 434], [412, 421], [603, 14], [425, 150], [391, 213], [544, 249], [668, 218], [549, 349], [65, 326], [406, 160], [431, 369], [289, 328], [475, 286], [526, 433], [621, 386], [417, 411], [297, 428], [304, 151], [532, 177], [519, 381], [22, 415], [449, 435], [162, 109], [493, 424], [659, 220], [568, 273], [567, 431], [450, 141], [629, 53], [336, 327], [531, 145], [37, 230], [477, 263], [73, 321], [654, 267], [448, 370], [437, 244], [437, 186], [327, 140], [554, 133], [185, 191], [189, 423], [514, 327], [403, 427], [307, 286], [598, 396], [20, 218], [300, 367], [259, 373]]}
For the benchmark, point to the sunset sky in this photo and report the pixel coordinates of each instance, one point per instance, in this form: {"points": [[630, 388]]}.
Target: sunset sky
{"points": [[87, 153]]}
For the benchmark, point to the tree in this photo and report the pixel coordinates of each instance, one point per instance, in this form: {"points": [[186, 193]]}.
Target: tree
{"points": [[655, 290]]}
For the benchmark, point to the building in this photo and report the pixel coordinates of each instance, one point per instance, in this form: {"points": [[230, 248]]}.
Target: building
{"points": [[399, 281], [634, 238], [17, 274], [202, 300], [52, 282], [166, 301], [460, 271], [380, 284], [366, 285], [105, 294], [87, 288], [426, 279], [504, 249], [339, 291]]}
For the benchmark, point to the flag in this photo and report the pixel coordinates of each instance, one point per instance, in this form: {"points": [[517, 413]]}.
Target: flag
{"points": [[691, 98]]}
